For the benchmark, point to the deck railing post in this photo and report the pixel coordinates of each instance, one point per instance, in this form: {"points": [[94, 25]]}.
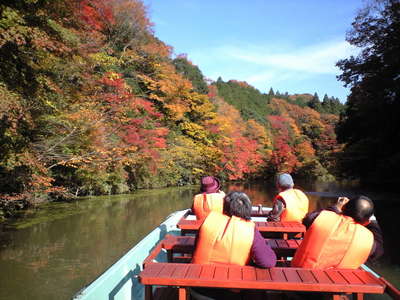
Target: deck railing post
{"points": [[183, 294], [148, 292]]}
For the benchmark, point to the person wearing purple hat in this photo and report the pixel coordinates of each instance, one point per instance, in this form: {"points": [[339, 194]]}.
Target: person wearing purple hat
{"points": [[290, 204], [211, 197]]}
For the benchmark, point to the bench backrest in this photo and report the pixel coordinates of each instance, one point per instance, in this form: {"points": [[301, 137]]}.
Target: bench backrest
{"points": [[262, 226]]}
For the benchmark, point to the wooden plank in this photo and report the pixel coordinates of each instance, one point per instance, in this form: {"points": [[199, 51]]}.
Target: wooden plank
{"points": [[253, 278], [167, 271], [366, 277], [207, 272], [282, 244], [221, 272], [180, 271], [277, 275], [194, 271], [249, 273], [235, 274], [306, 276], [336, 277], [152, 269], [153, 254], [194, 225], [351, 277], [321, 277], [292, 275], [293, 243], [263, 275]]}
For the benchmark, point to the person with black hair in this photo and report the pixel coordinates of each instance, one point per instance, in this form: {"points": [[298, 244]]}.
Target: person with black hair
{"points": [[345, 235], [230, 238]]}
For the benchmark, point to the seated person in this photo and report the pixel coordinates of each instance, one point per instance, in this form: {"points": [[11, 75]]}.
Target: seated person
{"points": [[290, 204], [210, 199], [336, 239], [230, 238]]}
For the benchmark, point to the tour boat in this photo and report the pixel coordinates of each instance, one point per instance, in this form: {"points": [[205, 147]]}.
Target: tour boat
{"points": [[121, 280]]}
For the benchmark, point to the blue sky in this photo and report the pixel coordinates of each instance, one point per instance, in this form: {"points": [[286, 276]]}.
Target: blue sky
{"points": [[289, 45]]}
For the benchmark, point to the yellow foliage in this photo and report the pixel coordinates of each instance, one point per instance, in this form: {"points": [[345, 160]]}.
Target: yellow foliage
{"points": [[103, 59], [194, 130], [176, 111]]}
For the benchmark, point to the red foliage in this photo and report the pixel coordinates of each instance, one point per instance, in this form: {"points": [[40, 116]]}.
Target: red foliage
{"points": [[97, 14], [283, 157], [212, 91], [241, 157]]}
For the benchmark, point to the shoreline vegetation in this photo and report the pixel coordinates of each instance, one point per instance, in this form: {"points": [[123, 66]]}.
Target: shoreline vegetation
{"points": [[93, 103]]}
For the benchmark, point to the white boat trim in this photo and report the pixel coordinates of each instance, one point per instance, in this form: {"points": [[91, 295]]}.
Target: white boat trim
{"points": [[110, 286]]}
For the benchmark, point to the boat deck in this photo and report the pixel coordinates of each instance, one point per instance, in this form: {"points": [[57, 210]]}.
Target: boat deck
{"points": [[332, 282]]}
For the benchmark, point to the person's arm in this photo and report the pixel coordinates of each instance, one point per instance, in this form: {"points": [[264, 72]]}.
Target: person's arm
{"points": [[261, 252], [377, 248], [275, 214]]}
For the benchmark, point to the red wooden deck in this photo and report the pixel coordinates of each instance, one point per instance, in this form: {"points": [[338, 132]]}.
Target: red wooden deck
{"points": [[334, 281], [192, 226]]}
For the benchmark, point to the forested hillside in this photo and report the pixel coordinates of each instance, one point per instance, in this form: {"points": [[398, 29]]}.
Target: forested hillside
{"points": [[93, 103], [370, 126]]}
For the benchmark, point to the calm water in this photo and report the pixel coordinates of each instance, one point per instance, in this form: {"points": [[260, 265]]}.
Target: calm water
{"points": [[55, 251]]}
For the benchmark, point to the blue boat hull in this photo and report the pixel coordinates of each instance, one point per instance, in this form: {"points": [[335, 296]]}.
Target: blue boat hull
{"points": [[120, 282]]}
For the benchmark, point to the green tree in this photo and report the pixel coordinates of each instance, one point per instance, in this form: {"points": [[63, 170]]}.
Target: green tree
{"points": [[248, 100], [315, 103], [370, 126], [192, 73], [271, 92]]}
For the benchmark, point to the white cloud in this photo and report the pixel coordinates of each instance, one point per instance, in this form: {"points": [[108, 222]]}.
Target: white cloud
{"points": [[286, 67], [319, 58]]}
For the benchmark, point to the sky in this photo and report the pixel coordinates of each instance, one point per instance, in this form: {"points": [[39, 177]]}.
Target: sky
{"points": [[289, 45]]}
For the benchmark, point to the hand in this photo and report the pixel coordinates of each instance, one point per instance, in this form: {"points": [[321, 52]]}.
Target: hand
{"points": [[341, 201]]}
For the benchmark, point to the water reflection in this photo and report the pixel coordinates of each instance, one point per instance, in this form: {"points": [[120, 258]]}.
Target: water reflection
{"points": [[57, 250]]}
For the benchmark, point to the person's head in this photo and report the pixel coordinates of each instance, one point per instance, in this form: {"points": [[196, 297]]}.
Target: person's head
{"points": [[360, 208], [210, 184], [284, 181], [237, 204]]}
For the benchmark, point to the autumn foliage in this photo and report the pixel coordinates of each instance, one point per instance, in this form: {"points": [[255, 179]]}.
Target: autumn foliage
{"points": [[93, 103]]}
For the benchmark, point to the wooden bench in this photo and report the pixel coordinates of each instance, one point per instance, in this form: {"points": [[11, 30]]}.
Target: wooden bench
{"points": [[185, 244], [257, 211], [332, 281], [192, 226]]}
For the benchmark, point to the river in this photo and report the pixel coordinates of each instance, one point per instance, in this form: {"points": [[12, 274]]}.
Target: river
{"points": [[54, 251]]}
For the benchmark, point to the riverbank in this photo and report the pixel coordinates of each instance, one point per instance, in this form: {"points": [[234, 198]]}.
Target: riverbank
{"points": [[14, 206]]}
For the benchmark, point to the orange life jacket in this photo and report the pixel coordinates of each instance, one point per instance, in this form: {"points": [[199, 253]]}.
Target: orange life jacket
{"points": [[204, 203], [334, 241], [225, 240], [296, 205]]}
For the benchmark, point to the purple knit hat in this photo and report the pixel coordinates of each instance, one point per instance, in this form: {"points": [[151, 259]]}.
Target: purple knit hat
{"points": [[210, 184]]}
